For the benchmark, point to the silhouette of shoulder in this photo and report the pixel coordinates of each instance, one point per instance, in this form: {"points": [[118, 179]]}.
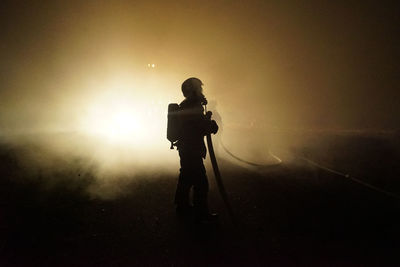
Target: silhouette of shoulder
{"points": [[186, 104]]}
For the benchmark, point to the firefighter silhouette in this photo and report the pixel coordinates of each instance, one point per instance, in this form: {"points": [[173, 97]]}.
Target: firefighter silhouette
{"points": [[190, 127]]}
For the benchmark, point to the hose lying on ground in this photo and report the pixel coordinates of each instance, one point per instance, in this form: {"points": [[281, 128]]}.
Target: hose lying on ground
{"points": [[279, 161], [352, 178]]}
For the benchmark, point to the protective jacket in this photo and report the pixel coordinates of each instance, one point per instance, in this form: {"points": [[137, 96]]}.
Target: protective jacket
{"points": [[194, 126]]}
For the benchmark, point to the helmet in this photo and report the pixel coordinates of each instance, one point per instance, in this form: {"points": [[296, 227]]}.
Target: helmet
{"points": [[191, 87]]}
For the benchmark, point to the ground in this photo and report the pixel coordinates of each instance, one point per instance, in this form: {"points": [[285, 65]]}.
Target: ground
{"points": [[293, 214]]}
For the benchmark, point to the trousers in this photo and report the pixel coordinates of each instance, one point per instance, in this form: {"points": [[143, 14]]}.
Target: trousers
{"points": [[192, 175]]}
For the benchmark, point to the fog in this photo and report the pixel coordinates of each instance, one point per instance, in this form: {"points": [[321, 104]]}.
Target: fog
{"points": [[271, 67]]}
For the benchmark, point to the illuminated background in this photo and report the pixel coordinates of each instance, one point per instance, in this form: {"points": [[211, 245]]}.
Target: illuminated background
{"points": [[86, 174], [87, 67]]}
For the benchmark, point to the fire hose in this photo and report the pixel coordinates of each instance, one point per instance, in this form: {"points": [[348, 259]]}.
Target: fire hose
{"points": [[278, 160], [218, 177]]}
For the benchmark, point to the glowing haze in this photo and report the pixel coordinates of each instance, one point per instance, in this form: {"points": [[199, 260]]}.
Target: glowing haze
{"points": [[110, 68]]}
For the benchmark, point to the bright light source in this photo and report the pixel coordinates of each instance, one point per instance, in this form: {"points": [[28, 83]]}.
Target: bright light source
{"points": [[123, 125], [116, 122], [128, 111], [135, 118]]}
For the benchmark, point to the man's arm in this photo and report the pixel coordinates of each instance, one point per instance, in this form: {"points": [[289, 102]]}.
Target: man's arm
{"points": [[211, 126]]}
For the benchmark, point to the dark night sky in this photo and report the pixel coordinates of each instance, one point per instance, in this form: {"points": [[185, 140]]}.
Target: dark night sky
{"points": [[318, 64]]}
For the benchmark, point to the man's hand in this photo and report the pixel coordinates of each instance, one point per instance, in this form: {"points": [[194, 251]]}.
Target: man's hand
{"points": [[214, 127], [203, 99]]}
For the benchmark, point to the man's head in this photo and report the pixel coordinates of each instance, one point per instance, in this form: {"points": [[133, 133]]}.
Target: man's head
{"points": [[192, 88]]}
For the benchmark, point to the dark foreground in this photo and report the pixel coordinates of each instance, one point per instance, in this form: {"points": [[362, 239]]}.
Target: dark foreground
{"points": [[289, 215]]}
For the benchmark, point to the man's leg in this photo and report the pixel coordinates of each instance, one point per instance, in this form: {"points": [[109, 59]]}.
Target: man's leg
{"points": [[200, 195], [200, 189], [182, 201], [185, 182]]}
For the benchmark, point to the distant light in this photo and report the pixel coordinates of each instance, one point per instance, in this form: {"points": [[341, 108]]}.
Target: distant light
{"points": [[151, 65]]}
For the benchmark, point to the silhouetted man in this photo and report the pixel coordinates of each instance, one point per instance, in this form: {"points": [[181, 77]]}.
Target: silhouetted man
{"points": [[194, 125]]}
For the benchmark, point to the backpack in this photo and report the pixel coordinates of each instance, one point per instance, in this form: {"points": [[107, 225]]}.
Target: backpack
{"points": [[173, 124]]}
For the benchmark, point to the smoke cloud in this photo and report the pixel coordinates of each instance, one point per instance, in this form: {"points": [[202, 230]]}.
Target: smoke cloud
{"points": [[274, 71]]}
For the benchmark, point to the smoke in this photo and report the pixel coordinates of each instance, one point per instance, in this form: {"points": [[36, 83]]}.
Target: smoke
{"points": [[78, 163], [276, 72], [286, 66]]}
